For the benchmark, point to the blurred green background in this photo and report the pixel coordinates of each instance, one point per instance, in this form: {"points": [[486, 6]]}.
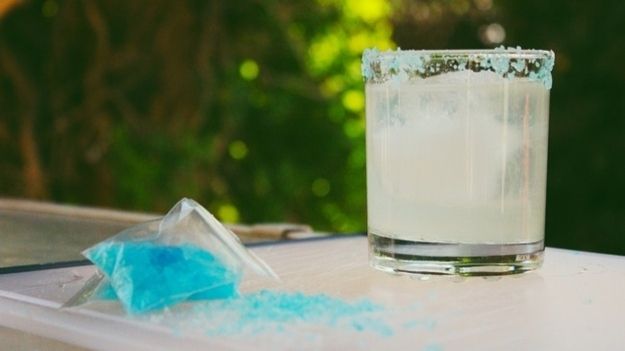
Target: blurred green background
{"points": [[255, 108]]}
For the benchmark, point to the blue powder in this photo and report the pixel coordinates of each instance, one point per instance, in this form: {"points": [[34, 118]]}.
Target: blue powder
{"points": [[146, 276], [267, 310]]}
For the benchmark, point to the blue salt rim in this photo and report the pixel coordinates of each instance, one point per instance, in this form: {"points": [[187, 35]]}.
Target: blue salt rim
{"points": [[405, 65]]}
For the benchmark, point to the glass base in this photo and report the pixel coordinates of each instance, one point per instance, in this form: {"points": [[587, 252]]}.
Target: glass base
{"points": [[405, 256]]}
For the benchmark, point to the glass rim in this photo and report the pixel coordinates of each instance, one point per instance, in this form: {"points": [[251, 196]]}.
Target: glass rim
{"points": [[408, 65], [453, 53]]}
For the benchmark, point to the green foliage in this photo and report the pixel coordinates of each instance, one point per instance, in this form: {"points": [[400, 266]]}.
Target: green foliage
{"points": [[256, 109]]}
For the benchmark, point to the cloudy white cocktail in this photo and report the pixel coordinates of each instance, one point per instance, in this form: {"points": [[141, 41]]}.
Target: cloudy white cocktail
{"points": [[457, 159]]}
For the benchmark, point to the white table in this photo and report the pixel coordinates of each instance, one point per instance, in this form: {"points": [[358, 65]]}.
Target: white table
{"points": [[575, 302]]}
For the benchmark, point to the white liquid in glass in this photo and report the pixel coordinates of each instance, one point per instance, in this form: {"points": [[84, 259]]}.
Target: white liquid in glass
{"points": [[457, 158]]}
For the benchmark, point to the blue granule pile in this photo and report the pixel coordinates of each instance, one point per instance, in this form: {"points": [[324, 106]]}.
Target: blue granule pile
{"points": [[147, 276], [267, 310]]}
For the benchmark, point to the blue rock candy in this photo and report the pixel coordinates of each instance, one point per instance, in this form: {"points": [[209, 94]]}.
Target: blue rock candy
{"points": [[147, 276]]}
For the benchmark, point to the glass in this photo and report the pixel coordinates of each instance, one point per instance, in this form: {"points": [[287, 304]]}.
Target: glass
{"points": [[457, 159]]}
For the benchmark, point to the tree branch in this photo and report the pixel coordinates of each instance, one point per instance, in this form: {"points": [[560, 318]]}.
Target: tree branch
{"points": [[33, 176]]}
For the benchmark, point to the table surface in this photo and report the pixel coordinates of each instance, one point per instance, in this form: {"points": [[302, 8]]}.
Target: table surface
{"points": [[40, 233], [576, 301]]}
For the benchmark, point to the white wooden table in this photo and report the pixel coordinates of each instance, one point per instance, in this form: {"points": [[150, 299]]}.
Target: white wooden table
{"points": [[575, 302]]}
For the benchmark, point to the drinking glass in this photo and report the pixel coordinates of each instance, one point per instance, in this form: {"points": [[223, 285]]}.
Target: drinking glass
{"points": [[457, 159]]}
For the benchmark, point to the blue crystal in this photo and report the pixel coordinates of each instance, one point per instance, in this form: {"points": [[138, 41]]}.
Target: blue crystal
{"points": [[146, 276], [268, 310]]}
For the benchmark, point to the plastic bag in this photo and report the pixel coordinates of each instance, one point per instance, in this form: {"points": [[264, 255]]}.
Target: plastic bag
{"points": [[187, 255]]}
